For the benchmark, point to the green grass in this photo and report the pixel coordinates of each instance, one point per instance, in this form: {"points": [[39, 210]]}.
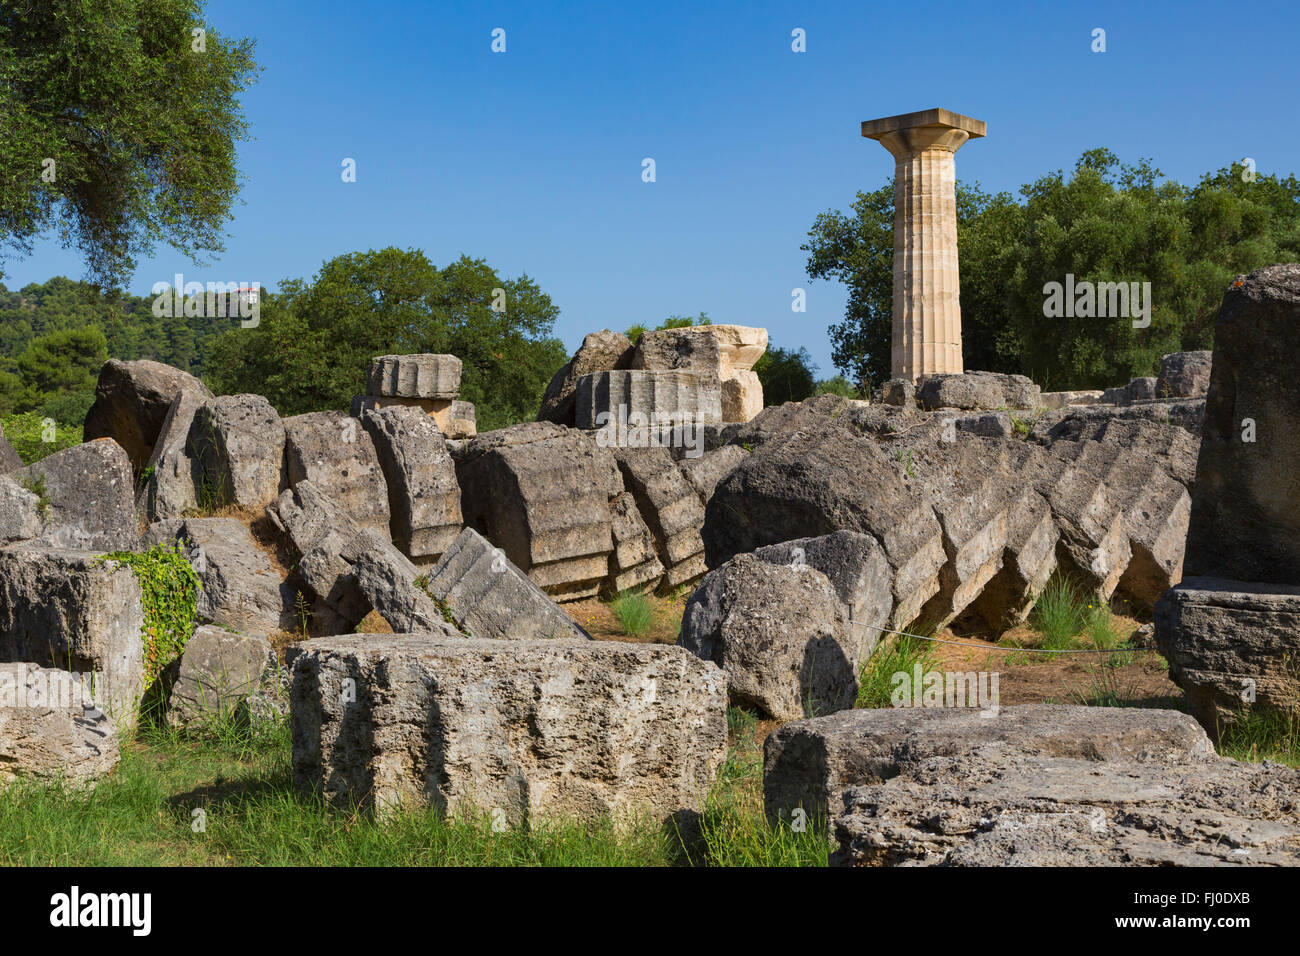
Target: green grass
{"points": [[1059, 615], [635, 613], [896, 654], [144, 814], [1262, 735]]}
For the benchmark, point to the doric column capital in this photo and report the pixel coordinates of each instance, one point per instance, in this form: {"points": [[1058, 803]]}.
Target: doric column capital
{"points": [[908, 134]]}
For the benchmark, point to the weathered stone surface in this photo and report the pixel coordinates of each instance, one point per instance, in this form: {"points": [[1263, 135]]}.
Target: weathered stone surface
{"points": [[1027, 563], [810, 763], [19, 512], [68, 609], [132, 400], [490, 597], [898, 391], [683, 349], [858, 572], [823, 478], [977, 390], [601, 351], [237, 445], [10, 460], [167, 482], [722, 355], [1231, 645], [704, 473], [742, 396], [1245, 521], [423, 495], [328, 542], [455, 419], [1094, 545], [1184, 375], [337, 455], [219, 671], [780, 632], [986, 425], [1065, 399], [545, 503], [860, 417], [1187, 413], [415, 376], [1010, 809], [241, 588], [639, 401], [966, 482], [671, 508], [634, 562], [389, 583], [51, 729], [532, 729], [462, 420], [89, 495]]}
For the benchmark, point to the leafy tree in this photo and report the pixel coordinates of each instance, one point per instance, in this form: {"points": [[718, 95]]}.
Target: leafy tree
{"points": [[118, 127], [787, 376], [312, 349], [837, 385], [63, 362], [1107, 222]]}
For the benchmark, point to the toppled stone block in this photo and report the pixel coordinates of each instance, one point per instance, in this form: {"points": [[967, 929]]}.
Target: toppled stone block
{"points": [[810, 763], [977, 390], [132, 400], [337, 455], [1011, 809], [423, 495], [88, 497], [20, 517], [722, 355], [219, 672], [525, 729], [51, 730], [671, 508], [392, 586], [898, 391], [704, 473], [1028, 561], [987, 425], [822, 478], [858, 572], [415, 376], [1053, 400], [487, 595], [237, 445], [167, 481], [1230, 647], [780, 632], [1184, 375], [70, 609], [328, 542], [1245, 521], [462, 420], [543, 498], [601, 351], [634, 563], [636, 407], [241, 589]]}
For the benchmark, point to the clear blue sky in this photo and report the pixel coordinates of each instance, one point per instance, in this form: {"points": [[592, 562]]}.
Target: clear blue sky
{"points": [[531, 159]]}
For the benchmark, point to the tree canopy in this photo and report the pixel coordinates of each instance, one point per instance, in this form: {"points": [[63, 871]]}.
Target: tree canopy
{"points": [[312, 348], [1106, 222], [118, 126]]}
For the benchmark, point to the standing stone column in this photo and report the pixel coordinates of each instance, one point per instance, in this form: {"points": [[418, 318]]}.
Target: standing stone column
{"points": [[927, 308]]}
